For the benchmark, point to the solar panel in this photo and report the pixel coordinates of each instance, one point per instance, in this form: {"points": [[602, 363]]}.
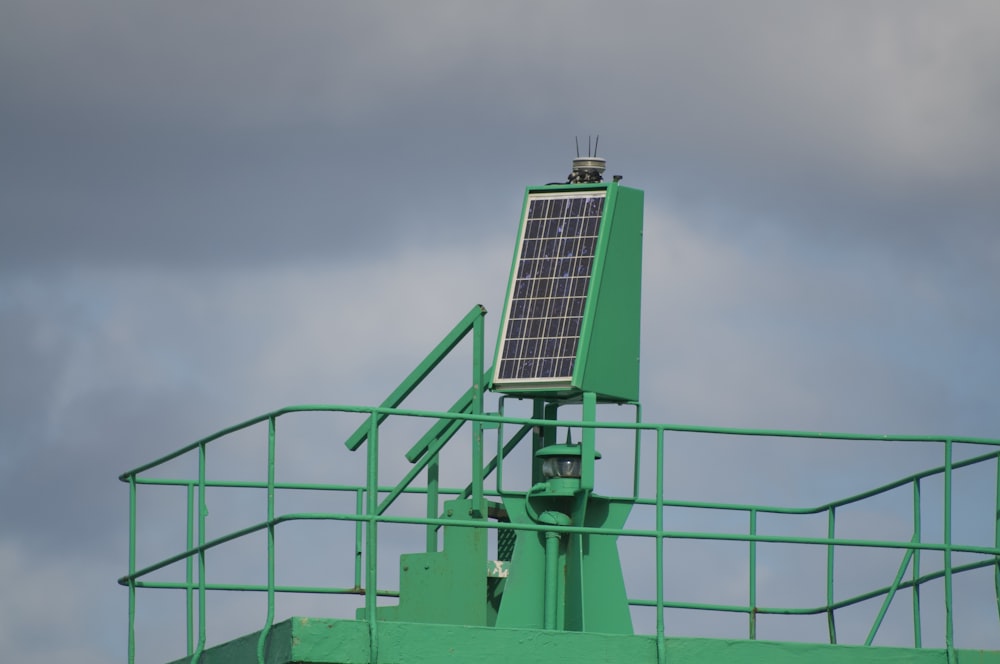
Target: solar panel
{"points": [[553, 269]]}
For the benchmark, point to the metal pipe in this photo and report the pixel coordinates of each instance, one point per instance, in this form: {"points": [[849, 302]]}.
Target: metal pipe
{"points": [[478, 501], [551, 578], [753, 576], [917, 535], [131, 568], [831, 530], [661, 647], [269, 620], [550, 599], [949, 625]]}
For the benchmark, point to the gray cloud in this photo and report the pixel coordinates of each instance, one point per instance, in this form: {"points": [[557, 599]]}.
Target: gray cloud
{"points": [[214, 135]]}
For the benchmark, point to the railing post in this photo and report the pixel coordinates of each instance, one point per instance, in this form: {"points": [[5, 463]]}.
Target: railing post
{"points": [[189, 570], [753, 574], [371, 544], [831, 530], [478, 502], [262, 640], [660, 639], [996, 536], [638, 452], [949, 627], [917, 628], [359, 510], [202, 514], [131, 568]]}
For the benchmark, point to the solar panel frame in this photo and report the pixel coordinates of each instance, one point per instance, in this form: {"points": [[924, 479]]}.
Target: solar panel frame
{"points": [[546, 307]]}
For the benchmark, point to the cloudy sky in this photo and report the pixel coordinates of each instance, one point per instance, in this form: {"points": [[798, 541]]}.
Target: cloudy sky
{"points": [[209, 210]]}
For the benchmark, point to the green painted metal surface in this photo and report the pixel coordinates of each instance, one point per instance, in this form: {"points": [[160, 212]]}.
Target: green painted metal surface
{"points": [[325, 641], [590, 595], [447, 586]]}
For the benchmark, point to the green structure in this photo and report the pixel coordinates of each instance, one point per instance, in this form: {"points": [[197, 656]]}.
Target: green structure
{"points": [[516, 557]]}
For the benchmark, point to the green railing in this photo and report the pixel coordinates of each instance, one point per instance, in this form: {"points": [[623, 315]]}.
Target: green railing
{"points": [[373, 501]]}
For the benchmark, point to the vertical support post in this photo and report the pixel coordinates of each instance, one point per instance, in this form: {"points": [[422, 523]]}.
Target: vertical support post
{"points": [[550, 602], [500, 444], [478, 502], [131, 568], [660, 639], [371, 544], [202, 514], [433, 485], [262, 639], [589, 436], [753, 574], [831, 533], [996, 535], [949, 627], [539, 435], [359, 510], [189, 570], [638, 452], [917, 627]]}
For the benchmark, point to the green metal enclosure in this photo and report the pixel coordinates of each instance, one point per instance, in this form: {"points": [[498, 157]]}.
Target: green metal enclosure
{"points": [[571, 317]]}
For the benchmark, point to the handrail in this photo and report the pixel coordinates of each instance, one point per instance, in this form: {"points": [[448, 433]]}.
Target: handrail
{"points": [[411, 382], [370, 512]]}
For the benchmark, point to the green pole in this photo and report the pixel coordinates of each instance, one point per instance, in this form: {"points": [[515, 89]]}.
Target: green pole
{"points": [[949, 627], [831, 529], [371, 559], [551, 578], [359, 509], [589, 446], [638, 453], [478, 502], [996, 574], [189, 570], [262, 640], [753, 575], [131, 568], [661, 643], [433, 485], [917, 535], [202, 513]]}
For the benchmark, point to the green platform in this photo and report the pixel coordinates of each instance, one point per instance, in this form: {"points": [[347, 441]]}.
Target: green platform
{"points": [[321, 641]]}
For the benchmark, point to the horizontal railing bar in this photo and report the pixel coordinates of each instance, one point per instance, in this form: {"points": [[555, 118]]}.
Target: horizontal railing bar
{"points": [[620, 532], [308, 590], [291, 486], [676, 428], [168, 585], [734, 608], [687, 504], [770, 509], [684, 504]]}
